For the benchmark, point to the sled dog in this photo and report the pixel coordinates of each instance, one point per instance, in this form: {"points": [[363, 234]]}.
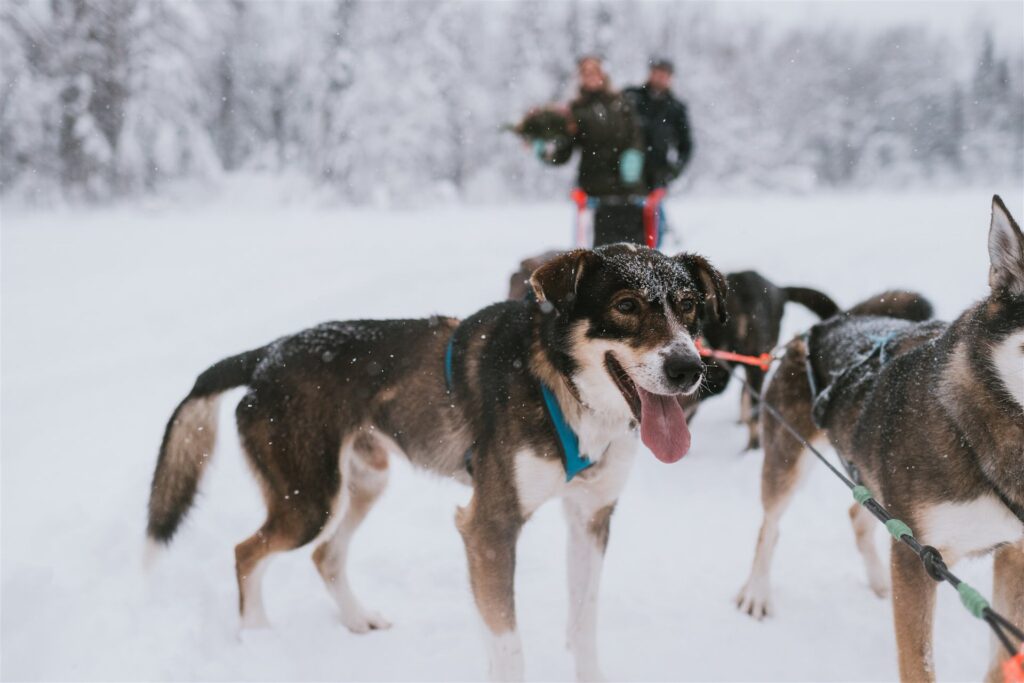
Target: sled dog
{"points": [[524, 400], [755, 306], [930, 417]]}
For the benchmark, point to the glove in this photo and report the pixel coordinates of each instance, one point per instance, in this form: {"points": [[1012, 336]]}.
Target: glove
{"points": [[539, 147], [631, 165]]}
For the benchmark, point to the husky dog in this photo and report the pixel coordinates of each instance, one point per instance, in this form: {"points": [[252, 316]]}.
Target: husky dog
{"points": [[525, 400], [929, 416]]}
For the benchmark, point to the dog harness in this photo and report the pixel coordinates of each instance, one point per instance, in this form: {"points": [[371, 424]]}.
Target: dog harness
{"points": [[572, 460], [844, 377], [822, 399]]}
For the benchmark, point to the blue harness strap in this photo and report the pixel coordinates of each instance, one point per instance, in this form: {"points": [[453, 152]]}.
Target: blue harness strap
{"points": [[467, 457], [573, 462], [881, 346], [448, 363]]}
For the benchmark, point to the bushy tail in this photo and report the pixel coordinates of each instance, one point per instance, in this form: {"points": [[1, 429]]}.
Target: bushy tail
{"points": [[896, 303], [819, 303], [188, 443]]}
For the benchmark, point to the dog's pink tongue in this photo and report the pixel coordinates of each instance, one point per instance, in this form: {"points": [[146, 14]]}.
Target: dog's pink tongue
{"points": [[663, 426]]}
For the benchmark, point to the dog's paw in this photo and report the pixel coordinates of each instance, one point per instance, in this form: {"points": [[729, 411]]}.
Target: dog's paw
{"points": [[755, 599], [879, 586], [365, 621]]}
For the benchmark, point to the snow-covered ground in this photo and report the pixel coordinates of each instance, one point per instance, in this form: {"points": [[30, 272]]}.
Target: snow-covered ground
{"points": [[108, 315]]}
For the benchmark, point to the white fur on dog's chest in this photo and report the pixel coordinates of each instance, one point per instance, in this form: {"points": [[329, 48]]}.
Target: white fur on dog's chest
{"points": [[961, 529], [540, 479], [599, 432]]}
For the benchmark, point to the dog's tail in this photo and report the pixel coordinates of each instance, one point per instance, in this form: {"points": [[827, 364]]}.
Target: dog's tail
{"points": [[188, 443], [896, 303], [819, 303]]}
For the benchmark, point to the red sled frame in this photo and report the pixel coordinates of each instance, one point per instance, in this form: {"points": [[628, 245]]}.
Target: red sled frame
{"points": [[585, 205]]}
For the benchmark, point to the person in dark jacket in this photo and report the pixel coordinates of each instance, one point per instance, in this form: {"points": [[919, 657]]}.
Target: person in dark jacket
{"points": [[603, 126], [669, 144]]}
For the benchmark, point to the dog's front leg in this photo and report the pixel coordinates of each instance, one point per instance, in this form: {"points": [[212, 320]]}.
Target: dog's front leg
{"points": [[490, 534], [588, 538], [913, 603], [1007, 599]]}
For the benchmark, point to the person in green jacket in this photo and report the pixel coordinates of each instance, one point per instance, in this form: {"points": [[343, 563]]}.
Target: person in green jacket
{"points": [[601, 123]]}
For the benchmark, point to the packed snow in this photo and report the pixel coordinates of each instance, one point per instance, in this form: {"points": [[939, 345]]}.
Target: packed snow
{"points": [[109, 314]]}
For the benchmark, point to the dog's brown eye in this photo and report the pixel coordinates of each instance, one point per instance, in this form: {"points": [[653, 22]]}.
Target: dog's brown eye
{"points": [[627, 306], [686, 305]]}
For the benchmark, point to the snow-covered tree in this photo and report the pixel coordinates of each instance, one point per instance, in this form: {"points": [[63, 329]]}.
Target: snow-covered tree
{"points": [[116, 92], [404, 101]]}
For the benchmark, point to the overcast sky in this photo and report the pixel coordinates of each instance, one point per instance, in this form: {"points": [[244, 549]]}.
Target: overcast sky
{"points": [[954, 17]]}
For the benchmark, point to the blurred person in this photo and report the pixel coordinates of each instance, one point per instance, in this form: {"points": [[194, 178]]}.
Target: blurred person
{"points": [[666, 126], [602, 124]]}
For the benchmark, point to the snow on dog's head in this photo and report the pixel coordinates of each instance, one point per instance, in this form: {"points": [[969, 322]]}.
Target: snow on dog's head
{"points": [[626, 318]]}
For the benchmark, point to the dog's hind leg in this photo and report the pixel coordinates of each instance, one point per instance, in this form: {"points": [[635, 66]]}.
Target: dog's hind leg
{"points": [[365, 474], [746, 409], [913, 603], [490, 534], [750, 408], [289, 525], [286, 528], [251, 558], [299, 481], [1007, 599], [786, 463], [864, 526]]}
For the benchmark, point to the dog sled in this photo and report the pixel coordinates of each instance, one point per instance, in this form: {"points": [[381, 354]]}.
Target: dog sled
{"points": [[639, 219]]}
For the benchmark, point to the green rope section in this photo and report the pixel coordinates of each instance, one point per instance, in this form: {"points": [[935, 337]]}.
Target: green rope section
{"points": [[861, 494], [898, 529], [974, 601]]}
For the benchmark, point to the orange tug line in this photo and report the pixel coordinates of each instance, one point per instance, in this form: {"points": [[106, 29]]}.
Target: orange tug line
{"points": [[763, 361], [1013, 668]]}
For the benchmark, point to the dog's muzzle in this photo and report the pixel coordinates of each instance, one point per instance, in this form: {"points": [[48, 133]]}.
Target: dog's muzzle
{"points": [[683, 372]]}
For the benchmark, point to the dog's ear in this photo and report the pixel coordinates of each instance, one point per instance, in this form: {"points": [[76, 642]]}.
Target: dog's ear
{"points": [[1005, 251], [711, 283], [555, 282]]}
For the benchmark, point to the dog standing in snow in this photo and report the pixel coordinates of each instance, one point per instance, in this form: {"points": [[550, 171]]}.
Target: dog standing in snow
{"points": [[525, 400], [930, 417]]}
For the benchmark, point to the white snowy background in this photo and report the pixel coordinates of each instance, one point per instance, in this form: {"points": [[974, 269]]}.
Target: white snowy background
{"points": [[181, 181], [109, 314]]}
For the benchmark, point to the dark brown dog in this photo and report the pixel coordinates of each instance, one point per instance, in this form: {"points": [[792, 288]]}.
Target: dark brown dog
{"points": [[755, 306]]}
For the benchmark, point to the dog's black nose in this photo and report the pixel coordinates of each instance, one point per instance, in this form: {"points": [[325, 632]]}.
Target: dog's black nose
{"points": [[683, 370]]}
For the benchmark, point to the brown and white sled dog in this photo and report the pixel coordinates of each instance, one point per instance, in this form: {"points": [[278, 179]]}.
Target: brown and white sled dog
{"points": [[606, 347], [930, 417]]}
